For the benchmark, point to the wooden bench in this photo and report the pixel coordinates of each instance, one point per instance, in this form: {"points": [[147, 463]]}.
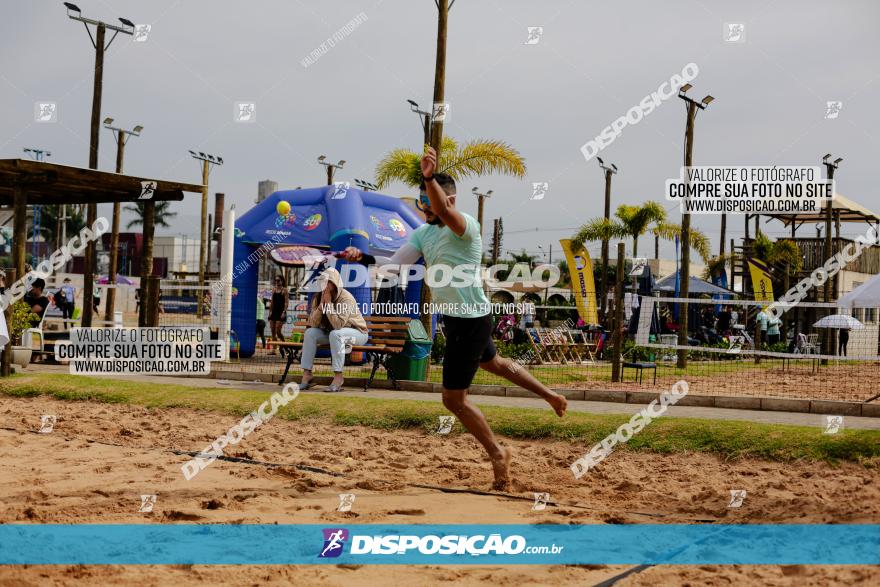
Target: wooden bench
{"points": [[386, 337]]}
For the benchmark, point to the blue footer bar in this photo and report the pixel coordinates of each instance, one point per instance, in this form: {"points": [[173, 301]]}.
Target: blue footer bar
{"points": [[260, 544]]}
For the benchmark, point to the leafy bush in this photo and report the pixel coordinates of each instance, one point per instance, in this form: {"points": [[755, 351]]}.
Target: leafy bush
{"points": [[513, 351], [438, 350], [22, 318]]}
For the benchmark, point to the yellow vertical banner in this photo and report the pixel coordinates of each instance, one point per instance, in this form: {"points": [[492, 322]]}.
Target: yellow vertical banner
{"points": [[582, 285], [761, 282]]}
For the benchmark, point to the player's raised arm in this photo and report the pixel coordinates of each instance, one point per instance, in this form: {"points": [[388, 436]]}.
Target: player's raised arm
{"points": [[441, 206], [405, 255]]}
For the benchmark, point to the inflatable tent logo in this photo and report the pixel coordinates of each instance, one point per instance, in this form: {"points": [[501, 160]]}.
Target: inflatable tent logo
{"points": [[285, 220], [312, 222], [397, 226]]}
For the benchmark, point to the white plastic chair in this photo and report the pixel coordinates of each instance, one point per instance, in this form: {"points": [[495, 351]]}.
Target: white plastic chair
{"points": [[33, 338]]}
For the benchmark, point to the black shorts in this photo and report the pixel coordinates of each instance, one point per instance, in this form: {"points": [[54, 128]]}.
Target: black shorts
{"points": [[468, 343]]}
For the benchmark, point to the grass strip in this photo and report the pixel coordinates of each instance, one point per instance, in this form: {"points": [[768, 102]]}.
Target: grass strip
{"points": [[725, 438]]}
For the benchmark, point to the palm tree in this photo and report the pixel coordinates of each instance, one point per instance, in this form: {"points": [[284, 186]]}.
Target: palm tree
{"points": [[524, 257], [51, 223], [780, 252], [717, 264], [564, 274], [699, 241], [635, 220], [474, 159], [162, 214], [597, 229]]}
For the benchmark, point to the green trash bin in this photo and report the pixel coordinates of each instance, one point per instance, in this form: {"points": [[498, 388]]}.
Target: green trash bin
{"points": [[411, 363]]}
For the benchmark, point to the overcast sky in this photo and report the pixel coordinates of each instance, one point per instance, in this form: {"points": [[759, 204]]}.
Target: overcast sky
{"points": [[594, 61]]}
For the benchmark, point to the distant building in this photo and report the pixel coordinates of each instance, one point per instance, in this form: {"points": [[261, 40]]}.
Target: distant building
{"points": [[266, 188]]}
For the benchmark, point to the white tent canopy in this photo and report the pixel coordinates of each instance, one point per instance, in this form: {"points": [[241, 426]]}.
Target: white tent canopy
{"points": [[866, 295]]}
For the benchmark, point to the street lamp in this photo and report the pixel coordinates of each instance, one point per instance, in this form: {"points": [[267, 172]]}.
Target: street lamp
{"points": [[366, 185], [424, 119], [37, 154], [480, 199], [608, 170], [207, 160], [331, 167], [692, 107], [122, 137], [127, 28]]}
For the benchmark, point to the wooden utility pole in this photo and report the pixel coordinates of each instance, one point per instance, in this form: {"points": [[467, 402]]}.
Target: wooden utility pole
{"points": [[496, 237], [203, 248], [723, 235], [828, 294], [686, 241], [110, 303], [19, 227], [6, 359], [603, 275], [439, 73], [436, 132], [149, 226], [92, 208], [616, 338]]}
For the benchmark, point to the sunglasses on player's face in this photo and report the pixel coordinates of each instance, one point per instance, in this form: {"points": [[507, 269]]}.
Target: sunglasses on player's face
{"points": [[424, 203]]}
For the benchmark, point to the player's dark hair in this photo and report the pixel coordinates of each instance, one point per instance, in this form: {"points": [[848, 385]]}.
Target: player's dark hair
{"points": [[445, 181], [39, 282]]}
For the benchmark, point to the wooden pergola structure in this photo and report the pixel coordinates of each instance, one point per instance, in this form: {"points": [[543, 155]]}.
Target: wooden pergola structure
{"points": [[842, 210], [26, 183]]}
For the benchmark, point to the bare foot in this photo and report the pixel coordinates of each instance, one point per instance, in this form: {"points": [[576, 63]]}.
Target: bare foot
{"points": [[559, 404], [501, 468]]}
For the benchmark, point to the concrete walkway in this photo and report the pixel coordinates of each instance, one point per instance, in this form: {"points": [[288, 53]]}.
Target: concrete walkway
{"points": [[766, 417]]}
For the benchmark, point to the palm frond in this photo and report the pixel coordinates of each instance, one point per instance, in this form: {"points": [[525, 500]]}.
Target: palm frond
{"points": [[638, 218], [700, 244], [482, 157], [399, 165], [160, 217], [699, 241], [716, 264], [476, 158], [597, 229], [666, 231], [786, 252]]}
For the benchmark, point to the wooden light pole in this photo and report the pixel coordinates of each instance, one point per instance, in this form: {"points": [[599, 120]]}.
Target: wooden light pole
{"points": [[207, 160], [603, 277], [480, 202], [692, 108], [122, 136], [828, 293], [75, 13]]}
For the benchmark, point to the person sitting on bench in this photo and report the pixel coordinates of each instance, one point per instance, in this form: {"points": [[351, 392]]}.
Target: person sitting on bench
{"points": [[334, 318]]}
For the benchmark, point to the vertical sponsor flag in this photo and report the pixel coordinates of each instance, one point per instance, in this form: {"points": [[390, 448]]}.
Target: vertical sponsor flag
{"points": [[761, 283], [580, 269], [677, 282], [720, 279]]}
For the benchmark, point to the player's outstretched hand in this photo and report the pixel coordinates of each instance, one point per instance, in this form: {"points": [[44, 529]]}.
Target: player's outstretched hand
{"points": [[353, 254], [429, 162]]}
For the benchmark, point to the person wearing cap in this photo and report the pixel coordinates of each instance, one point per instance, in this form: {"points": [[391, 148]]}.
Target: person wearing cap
{"points": [[334, 319], [65, 299]]}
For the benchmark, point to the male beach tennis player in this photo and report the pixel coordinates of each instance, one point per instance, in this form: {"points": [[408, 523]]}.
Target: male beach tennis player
{"points": [[452, 238]]}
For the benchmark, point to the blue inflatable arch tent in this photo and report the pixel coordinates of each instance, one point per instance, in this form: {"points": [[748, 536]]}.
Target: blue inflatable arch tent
{"points": [[326, 217]]}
